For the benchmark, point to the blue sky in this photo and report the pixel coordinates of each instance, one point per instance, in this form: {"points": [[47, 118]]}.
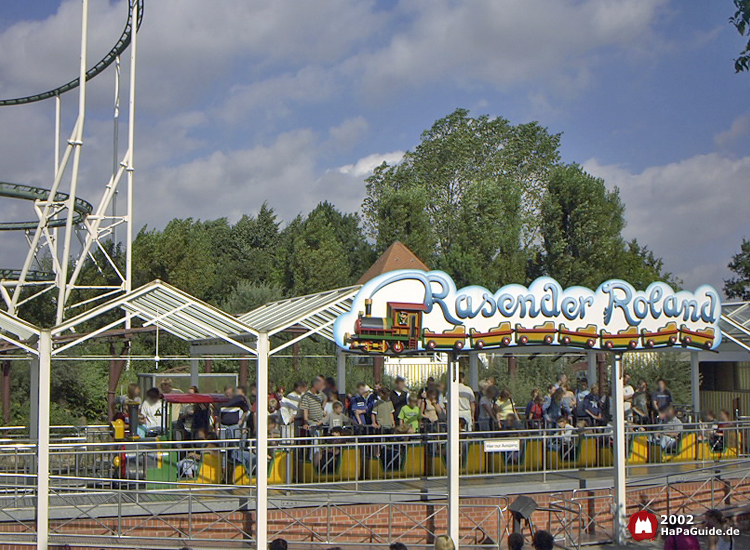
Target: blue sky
{"points": [[241, 102]]}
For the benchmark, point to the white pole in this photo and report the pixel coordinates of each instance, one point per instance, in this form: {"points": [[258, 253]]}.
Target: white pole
{"points": [[195, 372], [618, 422], [454, 460], [474, 371], [591, 375], [42, 479], [341, 371], [77, 143], [695, 385], [34, 398], [261, 505], [130, 157]]}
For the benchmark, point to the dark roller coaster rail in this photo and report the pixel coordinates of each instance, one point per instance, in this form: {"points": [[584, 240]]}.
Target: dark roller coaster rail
{"points": [[105, 62], [81, 208]]}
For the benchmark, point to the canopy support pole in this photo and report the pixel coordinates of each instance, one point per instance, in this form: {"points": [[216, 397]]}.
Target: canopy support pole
{"points": [[261, 506], [591, 368], [474, 371], [620, 464], [195, 371], [341, 372], [454, 445], [695, 385], [43, 366]]}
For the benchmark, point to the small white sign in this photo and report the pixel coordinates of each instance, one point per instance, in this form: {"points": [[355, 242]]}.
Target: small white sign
{"points": [[502, 445]]}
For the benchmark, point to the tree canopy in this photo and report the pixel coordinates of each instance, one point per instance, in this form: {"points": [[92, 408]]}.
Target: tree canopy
{"points": [[738, 286], [741, 21]]}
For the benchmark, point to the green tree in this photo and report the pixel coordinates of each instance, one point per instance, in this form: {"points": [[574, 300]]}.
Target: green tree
{"points": [[319, 260], [582, 243], [402, 215], [256, 240], [739, 285], [741, 21], [248, 295], [347, 231], [462, 163], [182, 255], [581, 226]]}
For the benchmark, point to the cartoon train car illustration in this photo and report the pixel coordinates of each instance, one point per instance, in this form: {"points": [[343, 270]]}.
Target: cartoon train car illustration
{"points": [[501, 335], [697, 338], [454, 338], [540, 334], [627, 338], [667, 335], [400, 330], [585, 337]]}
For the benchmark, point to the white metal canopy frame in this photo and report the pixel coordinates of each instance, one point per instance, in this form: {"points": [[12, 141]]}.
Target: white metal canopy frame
{"points": [[156, 303]]}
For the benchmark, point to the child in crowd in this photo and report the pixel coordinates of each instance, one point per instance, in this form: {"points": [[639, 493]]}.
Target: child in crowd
{"points": [[382, 412], [410, 413], [563, 440], [337, 418]]}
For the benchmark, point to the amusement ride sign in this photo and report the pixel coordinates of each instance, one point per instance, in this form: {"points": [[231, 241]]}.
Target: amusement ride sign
{"points": [[412, 311]]}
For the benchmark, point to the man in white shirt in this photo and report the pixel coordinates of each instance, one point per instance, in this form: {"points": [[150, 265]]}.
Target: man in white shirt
{"points": [[290, 408], [466, 402], [151, 412], [627, 395]]}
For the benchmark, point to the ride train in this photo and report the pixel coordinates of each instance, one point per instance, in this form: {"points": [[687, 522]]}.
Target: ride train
{"points": [[345, 458], [402, 331]]}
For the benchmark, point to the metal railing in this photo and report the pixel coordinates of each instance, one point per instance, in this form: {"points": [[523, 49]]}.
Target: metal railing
{"points": [[348, 458]]}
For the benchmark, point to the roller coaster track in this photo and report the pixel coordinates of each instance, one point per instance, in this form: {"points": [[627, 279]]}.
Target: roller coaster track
{"points": [[26, 192], [105, 62], [81, 208]]}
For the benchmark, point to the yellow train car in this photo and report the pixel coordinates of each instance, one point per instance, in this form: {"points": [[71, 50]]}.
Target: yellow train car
{"points": [[277, 470], [454, 338], [501, 336], [624, 339], [411, 463], [697, 338], [668, 335], [729, 450], [540, 334], [585, 337], [531, 459], [473, 460], [687, 451], [345, 467]]}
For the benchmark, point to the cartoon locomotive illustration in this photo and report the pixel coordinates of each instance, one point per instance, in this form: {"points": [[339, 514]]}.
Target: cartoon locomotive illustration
{"points": [[585, 337], [500, 336], [627, 338], [402, 330], [665, 336]]}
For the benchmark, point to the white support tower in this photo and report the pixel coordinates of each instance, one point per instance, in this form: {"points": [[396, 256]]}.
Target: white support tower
{"points": [[70, 231]]}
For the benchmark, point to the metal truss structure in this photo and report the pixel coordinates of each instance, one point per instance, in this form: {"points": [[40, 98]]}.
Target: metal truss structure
{"points": [[60, 214]]}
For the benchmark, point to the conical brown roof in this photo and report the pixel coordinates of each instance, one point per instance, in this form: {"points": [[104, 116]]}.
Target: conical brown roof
{"points": [[397, 256]]}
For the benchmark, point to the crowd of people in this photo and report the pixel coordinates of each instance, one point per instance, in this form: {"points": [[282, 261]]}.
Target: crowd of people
{"points": [[316, 409]]}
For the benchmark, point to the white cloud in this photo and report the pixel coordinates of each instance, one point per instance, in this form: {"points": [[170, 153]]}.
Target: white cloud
{"points": [[509, 42], [349, 132], [740, 127], [364, 166], [692, 212]]}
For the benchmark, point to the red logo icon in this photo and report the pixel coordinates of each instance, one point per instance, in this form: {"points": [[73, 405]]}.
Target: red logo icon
{"points": [[643, 526]]}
